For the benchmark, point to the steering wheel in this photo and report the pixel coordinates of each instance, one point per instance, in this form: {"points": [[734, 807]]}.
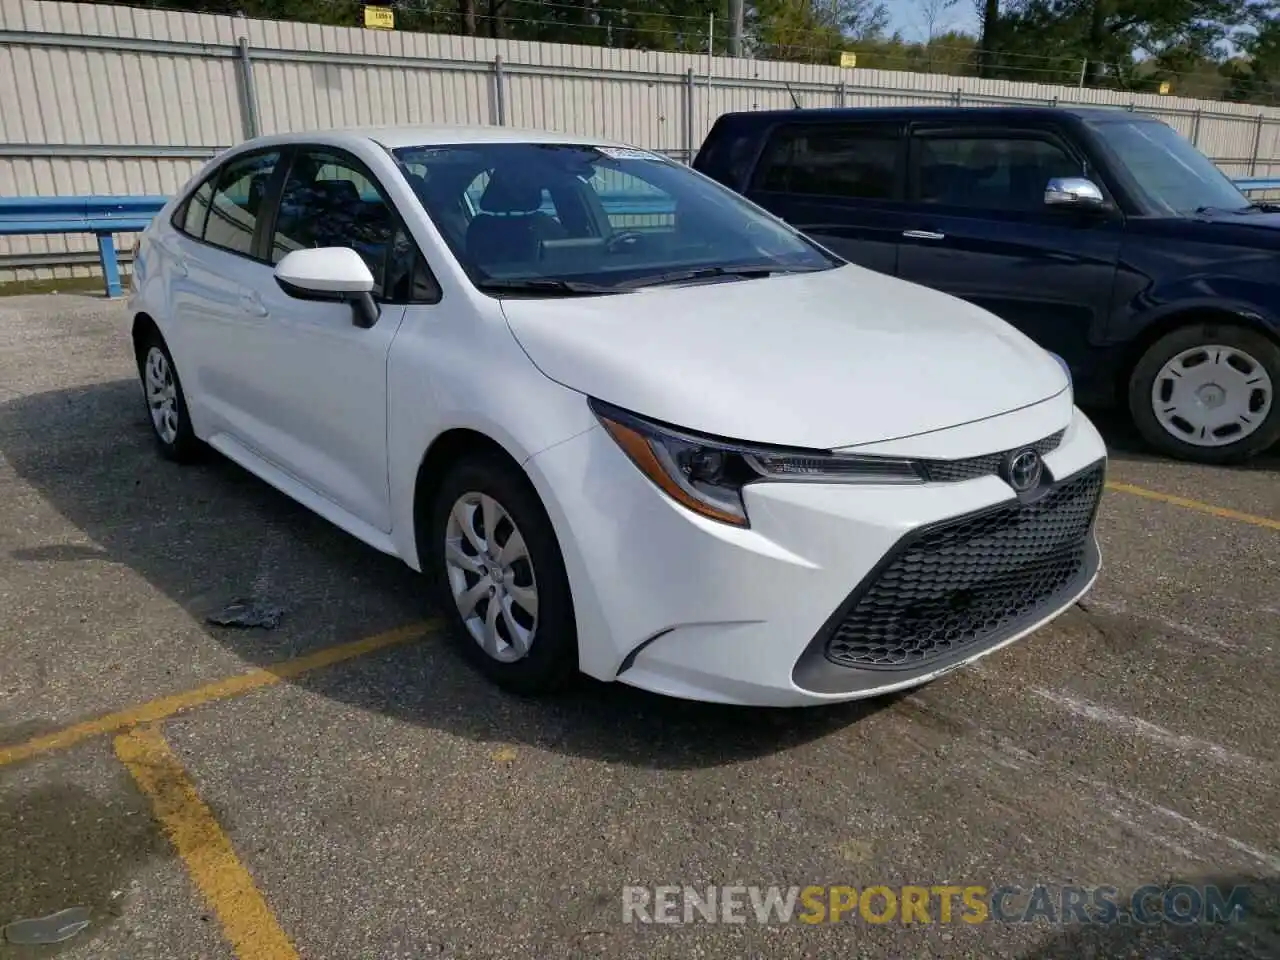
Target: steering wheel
{"points": [[620, 239]]}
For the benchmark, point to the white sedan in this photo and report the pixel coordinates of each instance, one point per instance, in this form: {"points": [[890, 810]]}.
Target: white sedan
{"points": [[629, 424]]}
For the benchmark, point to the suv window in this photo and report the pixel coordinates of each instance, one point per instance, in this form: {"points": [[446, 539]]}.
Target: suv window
{"points": [[990, 173], [831, 160], [234, 206]]}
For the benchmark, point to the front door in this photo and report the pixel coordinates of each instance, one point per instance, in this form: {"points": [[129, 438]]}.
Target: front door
{"points": [[841, 184], [321, 380], [980, 230]]}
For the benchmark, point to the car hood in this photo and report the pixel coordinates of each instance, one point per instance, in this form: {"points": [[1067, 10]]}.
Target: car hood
{"points": [[822, 360]]}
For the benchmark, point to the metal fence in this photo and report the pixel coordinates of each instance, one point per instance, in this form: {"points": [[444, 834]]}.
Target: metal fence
{"points": [[118, 100]]}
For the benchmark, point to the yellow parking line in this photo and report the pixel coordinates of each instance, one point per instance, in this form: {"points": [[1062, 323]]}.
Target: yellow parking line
{"points": [[223, 689], [247, 921], [1208, 508]]}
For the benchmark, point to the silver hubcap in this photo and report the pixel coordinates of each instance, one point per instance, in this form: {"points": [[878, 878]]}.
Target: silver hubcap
{"points": [[1211, 396], [162, 395], [491, 577]]}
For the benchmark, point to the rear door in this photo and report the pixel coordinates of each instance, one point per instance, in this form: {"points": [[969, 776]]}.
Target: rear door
{"points": [[980, 230], [839, 182]]}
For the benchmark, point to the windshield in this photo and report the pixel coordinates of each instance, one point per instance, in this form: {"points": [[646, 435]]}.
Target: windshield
{"points": [[1166, 171], [556, 219]]}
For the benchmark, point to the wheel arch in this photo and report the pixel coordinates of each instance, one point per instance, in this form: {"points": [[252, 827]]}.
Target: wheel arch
{"points": [[143, 326], [448, 448], [1166, 323]]}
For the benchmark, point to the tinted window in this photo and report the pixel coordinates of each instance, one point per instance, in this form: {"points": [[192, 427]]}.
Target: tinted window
{"points": [[234, 210], [991, 173], [329, 200], [533, 211], [1166, 169], [831, 161], [197, 210]]}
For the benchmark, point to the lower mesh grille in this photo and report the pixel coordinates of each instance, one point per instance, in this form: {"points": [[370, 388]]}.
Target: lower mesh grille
{"points": [[960, 582]]}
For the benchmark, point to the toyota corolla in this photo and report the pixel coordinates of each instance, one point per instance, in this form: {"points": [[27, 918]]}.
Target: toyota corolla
{"points": [[626, 423]]}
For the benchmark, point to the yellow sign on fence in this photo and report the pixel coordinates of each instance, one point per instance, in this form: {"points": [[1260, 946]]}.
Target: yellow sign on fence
{"points": [[848, 60], [1165, 86], [379, 18]]}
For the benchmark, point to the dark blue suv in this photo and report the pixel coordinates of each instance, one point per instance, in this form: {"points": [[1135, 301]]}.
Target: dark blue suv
{"points": [[1102, 234]]}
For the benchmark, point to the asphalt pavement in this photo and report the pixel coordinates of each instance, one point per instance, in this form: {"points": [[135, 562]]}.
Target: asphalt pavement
{"points": [[377, 799]]}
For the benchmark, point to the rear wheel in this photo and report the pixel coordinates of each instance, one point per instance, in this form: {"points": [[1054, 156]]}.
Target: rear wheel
{"points": [[1207, 393], [166, 403], [500, 576]]}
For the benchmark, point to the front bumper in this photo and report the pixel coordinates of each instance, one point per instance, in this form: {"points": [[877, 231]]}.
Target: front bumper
{"points": [[681, 605]]}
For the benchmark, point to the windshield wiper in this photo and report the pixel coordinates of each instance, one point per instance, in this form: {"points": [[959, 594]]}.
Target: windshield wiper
{"points": [[749, 272], [547, 286]]}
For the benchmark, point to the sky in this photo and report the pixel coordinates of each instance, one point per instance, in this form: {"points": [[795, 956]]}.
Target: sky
{"points": [[908, 17]]}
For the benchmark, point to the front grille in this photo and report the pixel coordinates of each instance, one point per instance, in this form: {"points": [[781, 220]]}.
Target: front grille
{"points": [[962, 581], [955, 471]]}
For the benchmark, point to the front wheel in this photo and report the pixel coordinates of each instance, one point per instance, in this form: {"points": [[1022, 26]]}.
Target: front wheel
{"points": [[500, 576], [1206, 393]]}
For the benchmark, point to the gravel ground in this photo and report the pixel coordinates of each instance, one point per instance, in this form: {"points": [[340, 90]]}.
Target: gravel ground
{"points": [[397, 806]]}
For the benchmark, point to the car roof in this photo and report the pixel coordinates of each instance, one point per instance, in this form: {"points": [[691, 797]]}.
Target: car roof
{"points": [[995, 114], [442, 134]]}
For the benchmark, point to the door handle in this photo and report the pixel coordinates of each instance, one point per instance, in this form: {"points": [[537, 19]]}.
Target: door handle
{"points": [[924, 235], [252, 304]]}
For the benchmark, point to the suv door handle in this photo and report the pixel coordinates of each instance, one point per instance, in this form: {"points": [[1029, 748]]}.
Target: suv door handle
{"points": [[924, 235]]}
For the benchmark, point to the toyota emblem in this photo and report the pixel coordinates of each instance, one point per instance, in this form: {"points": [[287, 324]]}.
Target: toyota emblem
{"points": [[1023, 469]]}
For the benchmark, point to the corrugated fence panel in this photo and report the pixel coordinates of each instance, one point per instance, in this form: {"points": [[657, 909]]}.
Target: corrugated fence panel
{"points": [[102, 96]]}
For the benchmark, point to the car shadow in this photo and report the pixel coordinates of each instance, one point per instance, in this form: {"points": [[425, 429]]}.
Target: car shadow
{"points": [[1254, 934], [206, 535], [1126, 444]]}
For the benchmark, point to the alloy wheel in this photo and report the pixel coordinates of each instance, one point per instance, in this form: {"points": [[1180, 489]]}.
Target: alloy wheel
{"points": [[162, 395], [491, 577]]}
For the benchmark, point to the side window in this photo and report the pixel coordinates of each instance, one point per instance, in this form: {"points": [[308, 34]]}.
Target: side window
{"points": [[234, 205], [197, 210], [328, 200], [832, 161], [991, 173]]}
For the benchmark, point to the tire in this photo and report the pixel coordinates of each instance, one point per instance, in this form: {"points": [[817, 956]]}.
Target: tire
{"points": [[1248, 367], [551, 660], [171, 424]]}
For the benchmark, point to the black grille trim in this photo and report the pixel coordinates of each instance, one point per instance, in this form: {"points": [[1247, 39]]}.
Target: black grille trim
{"points": [[930, 566], [957, 471]]}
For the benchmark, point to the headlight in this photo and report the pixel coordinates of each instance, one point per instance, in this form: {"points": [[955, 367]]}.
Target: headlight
{"points": [[1062, 363], [707, 475]]}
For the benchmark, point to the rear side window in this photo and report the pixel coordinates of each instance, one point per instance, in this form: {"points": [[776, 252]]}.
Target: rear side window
{"points": [[990, 173], [236, 202], [833, 161], [197, 210]]}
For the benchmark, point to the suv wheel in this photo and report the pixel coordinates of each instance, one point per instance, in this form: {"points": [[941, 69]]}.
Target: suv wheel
{"points": [[1207, 393], [166, 403], [500, 576]]}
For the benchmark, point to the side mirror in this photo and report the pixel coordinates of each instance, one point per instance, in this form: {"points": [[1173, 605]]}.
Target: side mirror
{"points": [[333, 275], [1078, 192]]}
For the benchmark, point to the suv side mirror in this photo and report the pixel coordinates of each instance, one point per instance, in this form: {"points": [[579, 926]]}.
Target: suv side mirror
{"points": [[1079, 192], [330, 274]]}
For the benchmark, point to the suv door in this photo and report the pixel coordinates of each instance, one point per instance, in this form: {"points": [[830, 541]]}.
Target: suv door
{"points": [[980, 230], [841, 183]]}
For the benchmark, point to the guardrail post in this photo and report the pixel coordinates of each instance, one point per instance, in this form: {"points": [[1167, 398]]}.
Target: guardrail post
{"points": [[1257, 145], [1195, 128], [500, 90], [249, 90], [110, 265], [958, 97], [842, 94], [688, 116]]}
